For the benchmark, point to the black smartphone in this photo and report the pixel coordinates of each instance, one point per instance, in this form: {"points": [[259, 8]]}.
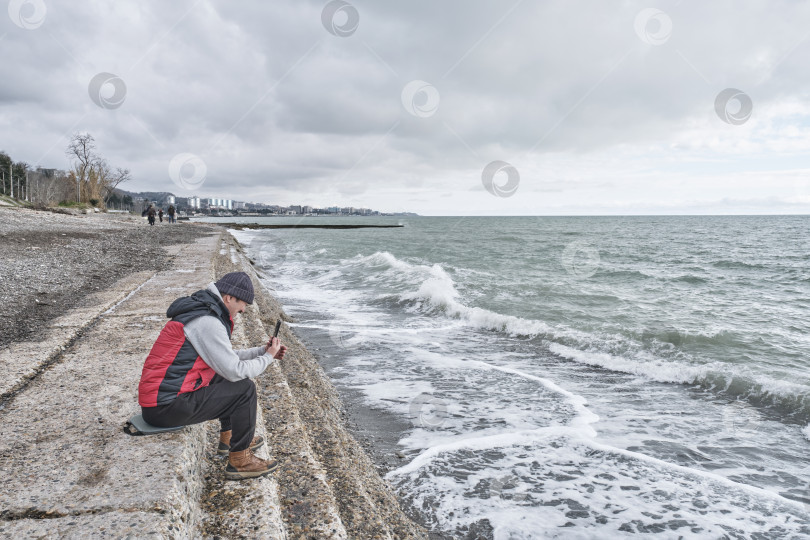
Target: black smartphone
{"points": [[278, 326]]}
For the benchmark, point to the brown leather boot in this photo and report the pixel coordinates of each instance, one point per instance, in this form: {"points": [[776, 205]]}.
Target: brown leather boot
{"points": [[244, 464], [225, 443]]}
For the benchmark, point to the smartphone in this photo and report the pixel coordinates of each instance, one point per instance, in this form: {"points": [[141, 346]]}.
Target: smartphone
{"points": [[278, 326]]}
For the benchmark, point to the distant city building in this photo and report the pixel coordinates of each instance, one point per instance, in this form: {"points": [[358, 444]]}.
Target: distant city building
{"points": [[216, 205], [220, 204]]}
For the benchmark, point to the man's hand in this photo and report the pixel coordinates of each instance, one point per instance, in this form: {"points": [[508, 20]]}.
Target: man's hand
{"points": [[275, 348]]}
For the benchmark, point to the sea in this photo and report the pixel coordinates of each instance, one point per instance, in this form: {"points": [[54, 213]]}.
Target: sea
{"points": [[569, 377]]}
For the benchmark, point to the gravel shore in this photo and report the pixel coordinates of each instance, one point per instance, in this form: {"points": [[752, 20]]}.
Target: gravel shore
{"points": [[50, 261]]}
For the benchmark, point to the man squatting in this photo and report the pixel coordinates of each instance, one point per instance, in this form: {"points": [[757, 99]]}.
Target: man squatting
{"points": [[192, 374]]}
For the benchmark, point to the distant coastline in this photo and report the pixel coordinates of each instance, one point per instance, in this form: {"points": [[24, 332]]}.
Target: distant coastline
{"points": [[242, 226]]}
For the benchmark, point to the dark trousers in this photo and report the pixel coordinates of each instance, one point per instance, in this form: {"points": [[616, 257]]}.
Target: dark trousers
{"points": [[233, 403]]}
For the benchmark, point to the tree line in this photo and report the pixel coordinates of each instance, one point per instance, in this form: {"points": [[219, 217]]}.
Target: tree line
{"points": [[91, 179]]}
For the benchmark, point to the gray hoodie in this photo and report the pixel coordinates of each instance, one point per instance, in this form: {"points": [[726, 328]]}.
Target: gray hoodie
{"points": [[210, 340]]}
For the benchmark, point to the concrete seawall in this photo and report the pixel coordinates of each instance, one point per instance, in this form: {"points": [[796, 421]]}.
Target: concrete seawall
{"points": [[70, 471]]}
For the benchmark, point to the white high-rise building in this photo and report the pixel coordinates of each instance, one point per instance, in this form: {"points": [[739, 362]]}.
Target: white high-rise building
{"points": [[224, 204]]}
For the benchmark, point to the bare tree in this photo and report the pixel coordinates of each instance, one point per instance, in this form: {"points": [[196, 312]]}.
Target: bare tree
{"points": [[82, 150], [94, 177], [115, 179]]}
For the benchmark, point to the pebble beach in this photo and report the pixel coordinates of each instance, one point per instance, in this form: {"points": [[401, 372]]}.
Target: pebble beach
{"points": [[51, 261]]}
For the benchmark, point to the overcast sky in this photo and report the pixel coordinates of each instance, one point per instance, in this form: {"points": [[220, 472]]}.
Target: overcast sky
{"points": [[585, 107]]}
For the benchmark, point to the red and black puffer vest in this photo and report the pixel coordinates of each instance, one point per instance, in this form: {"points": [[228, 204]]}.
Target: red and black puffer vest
{"points": [[173, 366]]}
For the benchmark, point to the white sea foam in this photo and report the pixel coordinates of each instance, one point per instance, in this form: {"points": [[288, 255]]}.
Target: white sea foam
{"points": [[579, 429], [479, 443], [737, 381], [598, 491], [653, 369], [584, 417], [437, 290]]}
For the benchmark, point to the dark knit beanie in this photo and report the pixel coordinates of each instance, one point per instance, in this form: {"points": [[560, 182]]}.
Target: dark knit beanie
{"points": [[237, 284]]}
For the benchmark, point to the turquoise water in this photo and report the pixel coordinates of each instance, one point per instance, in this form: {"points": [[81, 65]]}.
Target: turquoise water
{"points": [[581, 377]]}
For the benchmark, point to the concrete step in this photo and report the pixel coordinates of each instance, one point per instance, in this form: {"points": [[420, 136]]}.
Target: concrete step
{"points": [[303, 498], [244, 509]]}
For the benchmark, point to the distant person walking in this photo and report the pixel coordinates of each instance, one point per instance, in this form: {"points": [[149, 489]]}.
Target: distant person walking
{"points": [[171, 214], [150, 213], [160, 214]]}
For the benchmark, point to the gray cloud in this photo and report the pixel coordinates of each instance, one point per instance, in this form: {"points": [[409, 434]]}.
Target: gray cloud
{"points": [[278, 107]]}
